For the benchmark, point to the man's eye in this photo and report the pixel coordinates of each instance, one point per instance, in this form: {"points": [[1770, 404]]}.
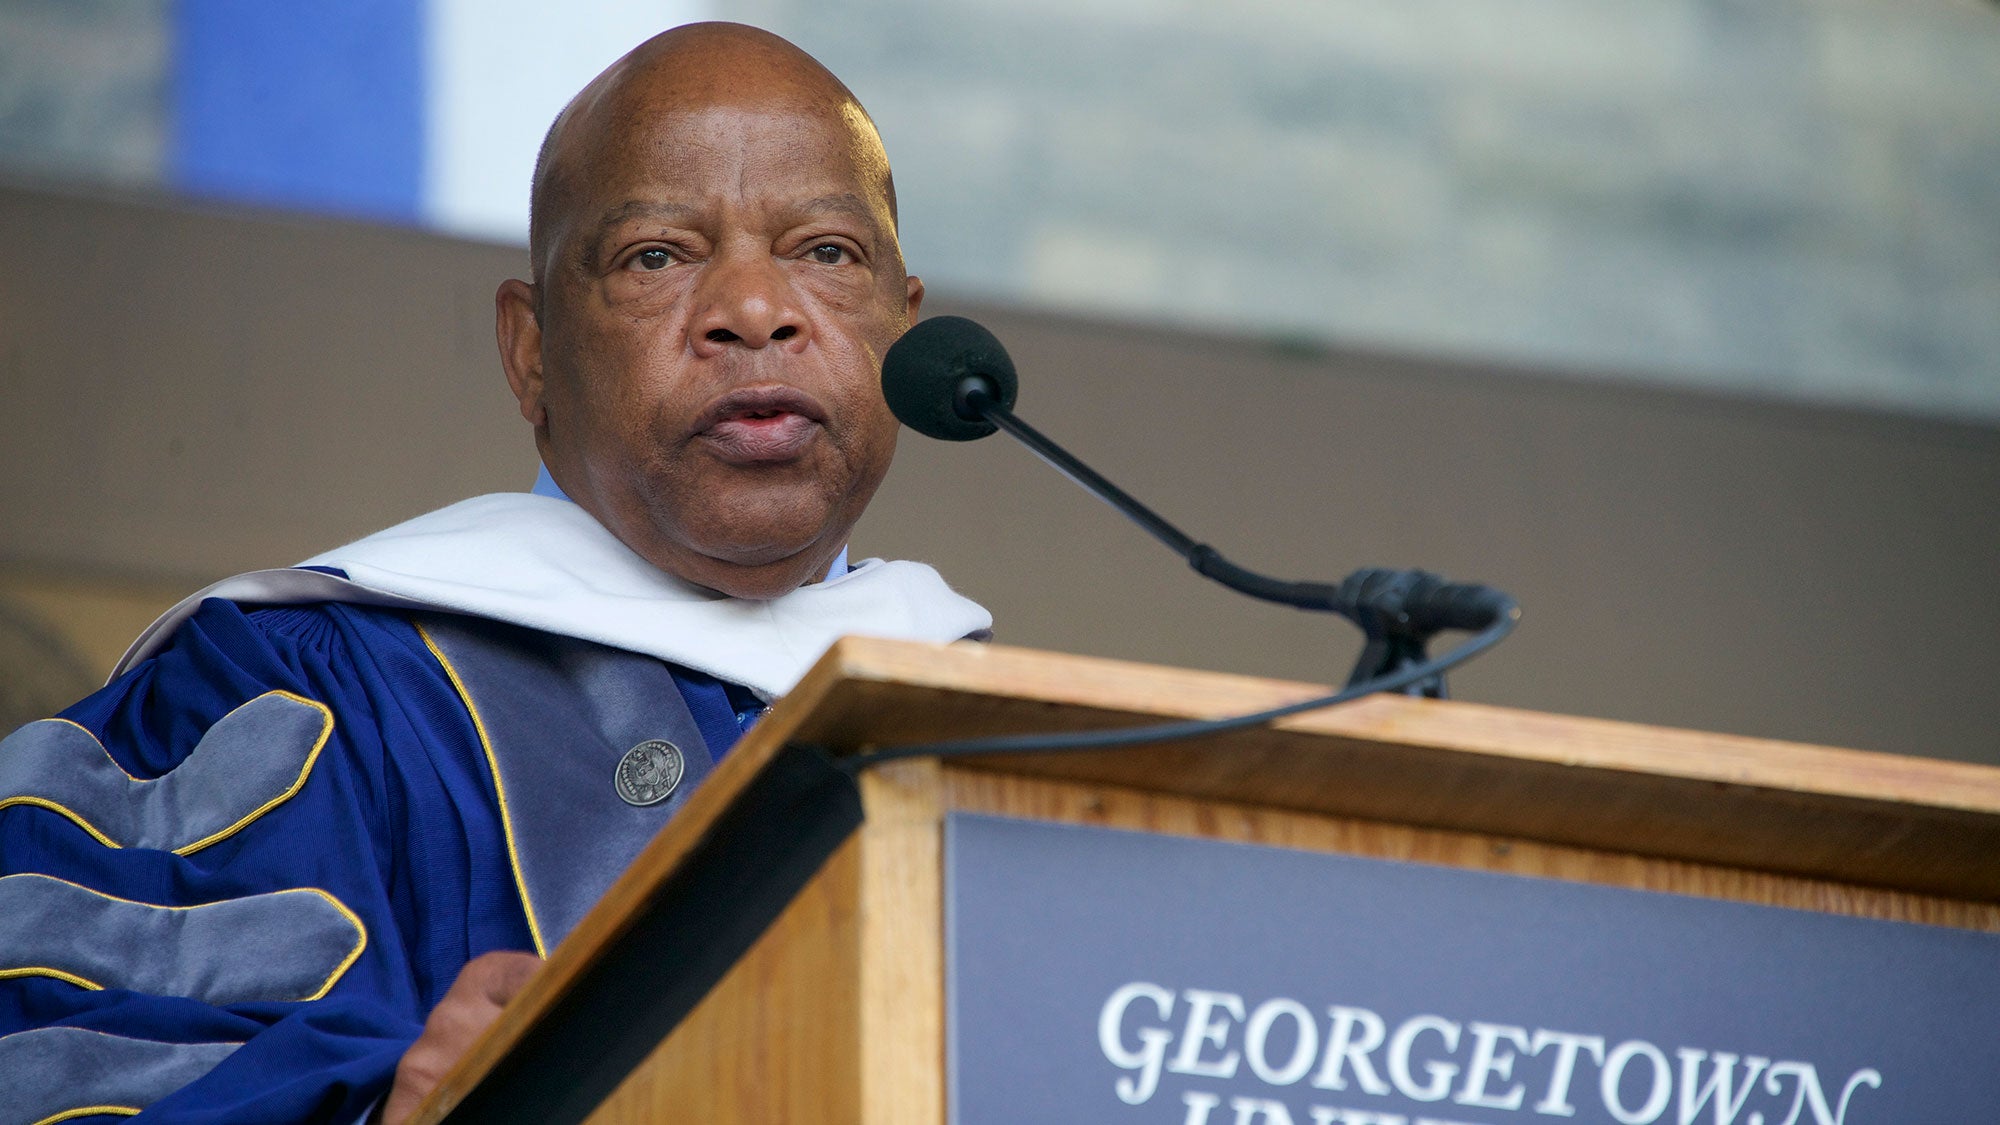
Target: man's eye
{"points": [[654, 259], [829, 253]]}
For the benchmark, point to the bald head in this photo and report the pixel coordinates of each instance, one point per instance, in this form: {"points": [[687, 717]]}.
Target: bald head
{"points": [[686, 69], [716, 277]]}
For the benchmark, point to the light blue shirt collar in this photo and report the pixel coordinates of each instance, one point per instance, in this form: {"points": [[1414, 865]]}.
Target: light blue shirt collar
{"points": [[545, 485]]}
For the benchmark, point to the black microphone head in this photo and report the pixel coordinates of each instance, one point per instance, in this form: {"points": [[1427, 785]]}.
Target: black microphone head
{"points": [[926, 373]]}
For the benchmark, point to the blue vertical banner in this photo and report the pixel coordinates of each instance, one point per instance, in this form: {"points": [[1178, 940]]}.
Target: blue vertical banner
{"points": [[308, 106]]}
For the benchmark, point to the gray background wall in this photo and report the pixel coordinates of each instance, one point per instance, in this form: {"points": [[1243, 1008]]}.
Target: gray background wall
{"points": [[185, 394], [1790, 196], [1785, 196]]}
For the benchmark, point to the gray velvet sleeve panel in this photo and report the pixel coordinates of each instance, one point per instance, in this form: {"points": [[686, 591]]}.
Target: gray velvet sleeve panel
{"points": [[556, 715], [53, 1072], [252, 759], [284, 946]]}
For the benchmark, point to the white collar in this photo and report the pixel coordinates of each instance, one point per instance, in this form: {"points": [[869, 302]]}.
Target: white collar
{"points": [[549, 565]]}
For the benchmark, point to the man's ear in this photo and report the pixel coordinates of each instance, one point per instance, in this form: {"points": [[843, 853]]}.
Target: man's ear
{"points": [[520, 335], [913, 290]]}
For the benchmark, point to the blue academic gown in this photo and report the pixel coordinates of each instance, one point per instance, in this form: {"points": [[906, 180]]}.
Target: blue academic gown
{"points": [[396, 821]]}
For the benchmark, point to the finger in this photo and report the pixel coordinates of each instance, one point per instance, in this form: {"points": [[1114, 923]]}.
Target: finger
{"points": [[499, 976], [469, 1007]]}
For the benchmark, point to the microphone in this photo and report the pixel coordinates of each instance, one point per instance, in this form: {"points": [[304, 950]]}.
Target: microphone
{"points": [[928, 373], [949, 378]]}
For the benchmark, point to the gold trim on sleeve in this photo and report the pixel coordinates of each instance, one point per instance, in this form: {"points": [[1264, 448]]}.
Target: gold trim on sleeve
{"points": [[499, 787]]}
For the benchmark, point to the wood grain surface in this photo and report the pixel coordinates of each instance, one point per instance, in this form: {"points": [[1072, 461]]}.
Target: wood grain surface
{"points": [[1843, 815], [985, 791], [779, 1038], [837, 1013]]}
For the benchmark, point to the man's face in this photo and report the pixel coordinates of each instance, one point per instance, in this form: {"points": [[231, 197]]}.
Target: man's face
{"points": [[705, 376]]}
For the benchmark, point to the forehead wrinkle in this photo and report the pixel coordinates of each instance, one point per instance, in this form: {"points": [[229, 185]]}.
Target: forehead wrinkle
{"points": [[694, 67], [833, 203], [644, 209]]}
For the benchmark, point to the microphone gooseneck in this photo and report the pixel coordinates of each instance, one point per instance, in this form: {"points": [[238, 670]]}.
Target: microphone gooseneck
{"points": [[949, 378]]}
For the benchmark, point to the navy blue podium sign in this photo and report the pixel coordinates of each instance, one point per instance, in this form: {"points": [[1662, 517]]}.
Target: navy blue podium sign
{"points": [[1095, 975]]}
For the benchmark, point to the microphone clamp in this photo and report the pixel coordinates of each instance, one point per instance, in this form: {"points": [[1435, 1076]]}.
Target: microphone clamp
{"points": [[1398, 611]]}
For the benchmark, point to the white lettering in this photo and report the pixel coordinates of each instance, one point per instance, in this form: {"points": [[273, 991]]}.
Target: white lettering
{"points": [[1809, 1092], [1488, 1061], [1250, 1110], [1441, 1072], [1343, 1048], [1258, 1030], [1612, 1079], [1718, 1085], [1203, 1029], [1152, 1040], [1556, 1102], [1138, 1024], [1198, 1106], [1866, 1076]]}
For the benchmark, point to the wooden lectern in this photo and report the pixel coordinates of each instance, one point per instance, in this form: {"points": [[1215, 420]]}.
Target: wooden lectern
{"points": [[776, 954]]}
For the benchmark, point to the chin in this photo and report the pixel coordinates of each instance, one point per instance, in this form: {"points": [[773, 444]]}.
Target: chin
{"points": [[748, 540], [766, 567], [762, 582]]}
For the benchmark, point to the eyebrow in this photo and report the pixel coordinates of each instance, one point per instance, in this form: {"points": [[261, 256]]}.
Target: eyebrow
{"points": [[845, 202], [641, 209], [839, 203], [587, 249]]}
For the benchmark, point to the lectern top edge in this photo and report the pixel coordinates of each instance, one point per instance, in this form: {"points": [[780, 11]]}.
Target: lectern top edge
{"points": [[1451, 726]]}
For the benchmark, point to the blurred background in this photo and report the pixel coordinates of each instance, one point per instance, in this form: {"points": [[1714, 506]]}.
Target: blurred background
{"points": [[1680, 319]]}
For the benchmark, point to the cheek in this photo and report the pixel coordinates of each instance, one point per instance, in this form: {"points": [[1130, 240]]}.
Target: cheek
{"points": [[860, 296], [875, 442], [861, 404], [608, 422], [645, 293], [619, 372]]}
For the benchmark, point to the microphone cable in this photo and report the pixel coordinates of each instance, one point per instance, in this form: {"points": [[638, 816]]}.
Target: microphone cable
{"points": [[1077, 741]]}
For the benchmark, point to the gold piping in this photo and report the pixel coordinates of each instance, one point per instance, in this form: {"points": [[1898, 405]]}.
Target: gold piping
{"points": [[353, 955], [305, 771], [65, 811], [46, 971], [88, 1110], [339, 970], [499, 787]]}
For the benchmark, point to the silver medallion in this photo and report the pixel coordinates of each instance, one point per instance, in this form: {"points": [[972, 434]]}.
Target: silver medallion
{"points": [[649, 772]]}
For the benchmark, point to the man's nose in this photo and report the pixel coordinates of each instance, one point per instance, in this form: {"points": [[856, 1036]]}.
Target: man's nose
{"points": [[746, 301]]}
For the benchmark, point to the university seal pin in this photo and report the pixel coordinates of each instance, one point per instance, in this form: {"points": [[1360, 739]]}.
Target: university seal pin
{"points": [[649, 772]]}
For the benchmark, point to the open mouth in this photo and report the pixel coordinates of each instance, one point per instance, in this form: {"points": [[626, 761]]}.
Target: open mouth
{"points": [[759, 425]]}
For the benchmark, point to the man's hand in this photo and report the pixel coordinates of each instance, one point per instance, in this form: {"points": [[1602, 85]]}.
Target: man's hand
{"points": [[469, 1006]]}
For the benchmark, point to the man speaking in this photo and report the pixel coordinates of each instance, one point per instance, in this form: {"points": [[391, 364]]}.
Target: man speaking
{"points": [[318, 829]]}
